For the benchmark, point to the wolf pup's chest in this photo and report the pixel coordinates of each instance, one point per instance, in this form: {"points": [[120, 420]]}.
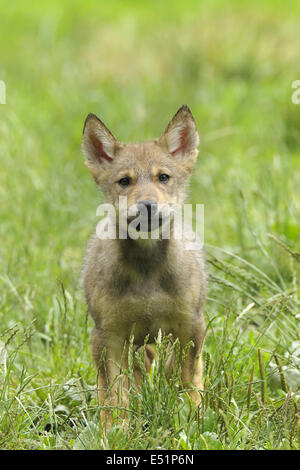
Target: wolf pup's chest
{"points": [[139, 298], [144, 306], [141, 284]]}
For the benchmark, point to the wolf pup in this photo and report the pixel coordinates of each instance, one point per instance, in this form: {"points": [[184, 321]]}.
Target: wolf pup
{"points": [[151, 284]]}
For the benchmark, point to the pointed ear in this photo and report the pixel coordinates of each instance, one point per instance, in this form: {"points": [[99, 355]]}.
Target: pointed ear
{"points": [[181, 136], [98, 143]]}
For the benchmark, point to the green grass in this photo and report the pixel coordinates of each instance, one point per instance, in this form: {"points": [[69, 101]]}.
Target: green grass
{"points": [[134, 63]]}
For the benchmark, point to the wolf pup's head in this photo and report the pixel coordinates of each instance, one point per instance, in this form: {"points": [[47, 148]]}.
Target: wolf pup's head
{"points": [[150, 174]]}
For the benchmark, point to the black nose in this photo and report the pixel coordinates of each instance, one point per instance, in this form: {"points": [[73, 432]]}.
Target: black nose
{"points": [[149, 205]]}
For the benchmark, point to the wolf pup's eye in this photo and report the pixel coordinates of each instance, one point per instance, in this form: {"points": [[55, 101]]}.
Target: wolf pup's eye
{"points": [[124, 182], [163, 178]]}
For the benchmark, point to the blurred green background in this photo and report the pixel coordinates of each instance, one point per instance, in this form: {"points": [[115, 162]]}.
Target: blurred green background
{"points": [[134, 64]]}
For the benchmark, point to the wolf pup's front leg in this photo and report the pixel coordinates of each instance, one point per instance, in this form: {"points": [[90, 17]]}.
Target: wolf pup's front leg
{"points": [[192, 366], [110, 354]]}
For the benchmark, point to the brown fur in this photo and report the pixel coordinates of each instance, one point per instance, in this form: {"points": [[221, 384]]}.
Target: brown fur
{"points": [[152, 284]]}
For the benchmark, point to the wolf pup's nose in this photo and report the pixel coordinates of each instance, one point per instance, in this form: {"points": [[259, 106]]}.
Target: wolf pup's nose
{"points": [[148, 210], [147, 205]]}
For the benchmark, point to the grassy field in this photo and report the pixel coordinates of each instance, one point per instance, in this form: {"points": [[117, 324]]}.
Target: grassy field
{"points": [[134, 64]]}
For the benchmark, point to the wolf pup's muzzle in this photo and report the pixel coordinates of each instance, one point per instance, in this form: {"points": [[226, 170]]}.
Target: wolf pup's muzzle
{"points": [[147, 215]]}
